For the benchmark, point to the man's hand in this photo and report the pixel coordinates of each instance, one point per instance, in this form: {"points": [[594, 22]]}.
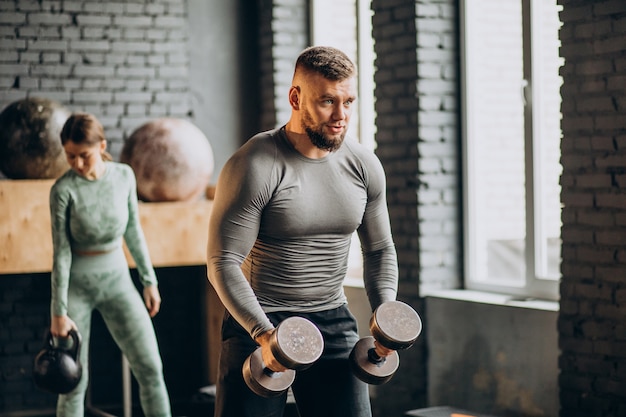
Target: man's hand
{"points": [[269, 361], [382, 351]]}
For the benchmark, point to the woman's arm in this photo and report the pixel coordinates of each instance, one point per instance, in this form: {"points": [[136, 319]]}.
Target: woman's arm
{"points": [[133, 235], [61, 261]]}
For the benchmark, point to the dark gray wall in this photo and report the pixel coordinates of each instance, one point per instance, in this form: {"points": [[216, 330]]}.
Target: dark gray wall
{"points": [[491, 356], [223, 72]]}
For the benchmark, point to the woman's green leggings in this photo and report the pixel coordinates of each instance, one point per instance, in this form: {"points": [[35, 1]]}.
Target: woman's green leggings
{"points": [[103, 283]]}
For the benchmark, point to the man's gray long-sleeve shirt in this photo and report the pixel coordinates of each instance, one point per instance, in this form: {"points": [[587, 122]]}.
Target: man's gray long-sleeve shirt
{"points": [[281, 226]]}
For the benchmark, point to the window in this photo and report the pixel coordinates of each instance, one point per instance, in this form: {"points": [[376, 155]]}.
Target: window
{"points": [[349, 28], [511, 123]]}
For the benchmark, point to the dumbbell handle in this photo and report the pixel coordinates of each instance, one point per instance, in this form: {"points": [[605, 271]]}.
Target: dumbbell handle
{"points": [[267, 371], [369, 366], [272, 341], [374, 357], [270, 372]]}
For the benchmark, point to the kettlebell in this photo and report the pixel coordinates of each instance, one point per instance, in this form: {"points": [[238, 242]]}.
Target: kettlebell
{"points": [[56, 369]]}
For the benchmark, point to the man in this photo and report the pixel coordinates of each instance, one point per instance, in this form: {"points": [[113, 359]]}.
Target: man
{"points": [[286, 205]]}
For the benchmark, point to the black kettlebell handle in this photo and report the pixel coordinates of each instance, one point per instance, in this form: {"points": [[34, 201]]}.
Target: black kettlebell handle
{"points": [[76, 342]]}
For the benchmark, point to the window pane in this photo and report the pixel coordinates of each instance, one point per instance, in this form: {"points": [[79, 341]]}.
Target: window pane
{"points": [[512, 149], [495, 110], [337, 29], [547, 114]]}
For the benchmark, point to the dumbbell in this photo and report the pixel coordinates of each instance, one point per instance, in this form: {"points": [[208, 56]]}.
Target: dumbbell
{"points": [[394, 325], [296, 344]]}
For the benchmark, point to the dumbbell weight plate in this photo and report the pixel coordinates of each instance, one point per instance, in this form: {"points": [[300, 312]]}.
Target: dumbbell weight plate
{"points": [[395, 325], [262, 381], [297, 343], [374, 373]]}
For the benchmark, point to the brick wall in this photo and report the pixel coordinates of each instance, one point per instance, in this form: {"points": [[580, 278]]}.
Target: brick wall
{"points": [[127, 63], [124, 61], [416, 104], [24, 315], [268, 95], [592, 329], [397, 137], [24, 319], [284, 33]]}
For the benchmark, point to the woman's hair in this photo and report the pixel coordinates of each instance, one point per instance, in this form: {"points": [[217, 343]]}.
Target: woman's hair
{"points": [[327, 61], [84, 128]]}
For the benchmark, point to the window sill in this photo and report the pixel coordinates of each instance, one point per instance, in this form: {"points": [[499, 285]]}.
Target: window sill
{"points": [[495, 299]]}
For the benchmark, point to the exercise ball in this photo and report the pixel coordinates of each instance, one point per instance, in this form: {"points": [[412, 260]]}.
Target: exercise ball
{"points": [[30, 146], [172, 160]]}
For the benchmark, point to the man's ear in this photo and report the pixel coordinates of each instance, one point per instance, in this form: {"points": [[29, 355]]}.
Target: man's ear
{"points": [[294, 97]]}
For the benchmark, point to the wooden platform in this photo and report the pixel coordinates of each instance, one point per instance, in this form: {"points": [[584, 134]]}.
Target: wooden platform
{"points": [[176, 232]]}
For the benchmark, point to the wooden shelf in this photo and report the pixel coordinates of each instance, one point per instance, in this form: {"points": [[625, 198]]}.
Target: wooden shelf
{"points": [[176, 232]]}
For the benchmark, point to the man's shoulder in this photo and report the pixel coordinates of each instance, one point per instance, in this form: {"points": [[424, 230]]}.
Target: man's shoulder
{"points": [[357, 150], [260, 145], [266, 139]]}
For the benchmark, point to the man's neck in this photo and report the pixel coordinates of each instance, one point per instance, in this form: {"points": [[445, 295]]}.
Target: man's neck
{"points": [[301, 143]]}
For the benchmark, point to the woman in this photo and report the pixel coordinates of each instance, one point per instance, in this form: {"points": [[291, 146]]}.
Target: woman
{"points": [[93, 207]]}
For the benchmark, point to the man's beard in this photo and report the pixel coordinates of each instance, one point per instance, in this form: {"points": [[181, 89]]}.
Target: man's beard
{"points": [[319, 139]]}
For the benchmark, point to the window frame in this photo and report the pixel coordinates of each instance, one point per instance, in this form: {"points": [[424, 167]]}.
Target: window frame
{"points": [[364, 49], [535, 286]]}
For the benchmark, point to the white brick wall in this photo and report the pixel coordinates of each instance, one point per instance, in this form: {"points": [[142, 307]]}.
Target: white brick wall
{"points": [[126, 62]]}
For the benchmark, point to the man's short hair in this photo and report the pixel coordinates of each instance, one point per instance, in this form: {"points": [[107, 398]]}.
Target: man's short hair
{"points": [[327, 61]]}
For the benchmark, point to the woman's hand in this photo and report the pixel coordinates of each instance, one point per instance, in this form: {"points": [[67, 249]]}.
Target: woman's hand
{"points": [[60, 326], [152, 298]]}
